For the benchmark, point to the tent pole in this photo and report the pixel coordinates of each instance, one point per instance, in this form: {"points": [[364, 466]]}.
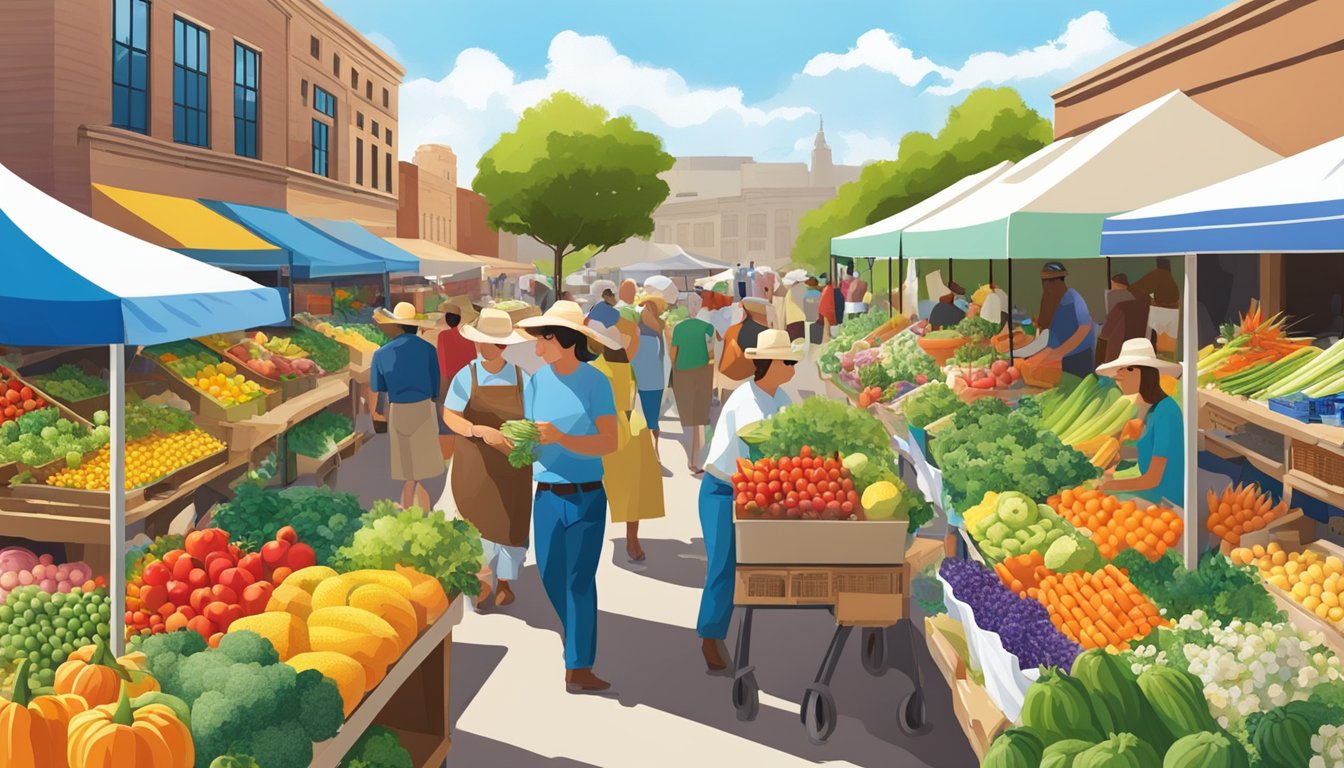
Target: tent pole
{"points": [[1108, 271], [991, 272], [949, 270], [900, 269], [891, 305], [1189, 411], [1010, 311], [116, 478]]}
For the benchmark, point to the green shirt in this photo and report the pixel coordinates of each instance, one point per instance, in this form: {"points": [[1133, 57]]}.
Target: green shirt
{"points": [[690, 337]]}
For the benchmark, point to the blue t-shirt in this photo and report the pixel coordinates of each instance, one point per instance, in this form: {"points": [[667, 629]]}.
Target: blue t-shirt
{"points": [[605, 314], [1163, 435], [459, 391], [573, 404], [648, 362], [407, 369], [1072, 315]]}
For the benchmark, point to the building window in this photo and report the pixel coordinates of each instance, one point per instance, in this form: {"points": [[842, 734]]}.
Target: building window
{"points": [[246, 88], [386, 97], [359, 161], [130, 64], [315, 47], [375, 129], [755, 247], [387, 171], [729, 225], [191, 84], [324, 102], [303, 92], [683, 233], [359, 120], [387, 134], [783, 217], [755, 225], [373, 164], [703, 236], [321, 134], [354, 78], [336, 64], [368, 90]]}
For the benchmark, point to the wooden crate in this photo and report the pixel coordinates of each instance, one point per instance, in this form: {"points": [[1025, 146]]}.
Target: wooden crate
{"points": [[98, 501], [812, 586], [1317, 461], [323, 467], [208, 407], [979, 718], [1298, 615], [821, 542]]}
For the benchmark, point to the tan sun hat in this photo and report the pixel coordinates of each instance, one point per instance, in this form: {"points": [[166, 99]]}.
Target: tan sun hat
{"points": [[565, 314], [606, 335], [1139, 353], [404, 314], [659, 303], [775, 345], [755, 304], [493, 327], [460, 306]]}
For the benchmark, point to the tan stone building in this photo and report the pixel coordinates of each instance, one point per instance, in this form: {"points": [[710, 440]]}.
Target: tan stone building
{"points": [[267, 102], [427, 206], [734, 209]]}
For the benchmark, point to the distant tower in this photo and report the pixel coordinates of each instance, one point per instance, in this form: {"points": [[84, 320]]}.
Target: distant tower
{"points": [[823, 170]]}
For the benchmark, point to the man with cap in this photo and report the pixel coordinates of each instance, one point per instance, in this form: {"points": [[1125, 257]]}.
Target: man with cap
{"points": [[1126, 318], [406, 369], [1067, 323], [454, 354]]}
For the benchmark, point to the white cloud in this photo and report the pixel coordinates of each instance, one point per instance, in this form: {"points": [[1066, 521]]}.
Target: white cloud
{"points": [[857, 148], [1086, 41], [385, 42], [878, 50]]}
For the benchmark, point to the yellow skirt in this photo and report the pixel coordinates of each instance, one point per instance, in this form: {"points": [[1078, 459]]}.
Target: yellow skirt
{"points": [[632, 474]]}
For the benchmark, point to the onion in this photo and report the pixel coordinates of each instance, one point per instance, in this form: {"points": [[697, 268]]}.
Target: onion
{"points": [[48, 585], [9, 580], [26, 577], [76, 576], [46, 559], [64, 585]]}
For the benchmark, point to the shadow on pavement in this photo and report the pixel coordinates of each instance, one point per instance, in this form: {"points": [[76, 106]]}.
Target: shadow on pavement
{"points": [[659, 666], [472, 751], [668, 560], [472, 666]]}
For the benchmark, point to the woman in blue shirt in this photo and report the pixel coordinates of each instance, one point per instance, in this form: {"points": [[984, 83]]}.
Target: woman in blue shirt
{"points": [[1161, 446], [575, 413]]}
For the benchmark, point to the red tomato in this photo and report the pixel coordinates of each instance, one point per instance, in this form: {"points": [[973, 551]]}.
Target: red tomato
{"points": [[791, 502], [847, 484], [760, 500], [153, 596], [811, 489], [833, 487], [742, 499], [846, 508], [741, 486], [833, 473], [774, 486], [758, 477], [828, 497], [796, 474], [806, 451], [155, 573]]}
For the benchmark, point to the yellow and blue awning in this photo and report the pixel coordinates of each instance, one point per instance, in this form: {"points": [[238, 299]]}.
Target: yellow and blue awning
{"points": [[361, 239], [312, 253]]}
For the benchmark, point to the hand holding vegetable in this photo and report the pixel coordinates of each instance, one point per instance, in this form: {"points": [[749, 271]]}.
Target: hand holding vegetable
{"points": [[524, 435], [548, 433]]}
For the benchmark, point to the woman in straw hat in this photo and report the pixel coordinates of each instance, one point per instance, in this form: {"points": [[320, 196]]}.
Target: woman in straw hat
{"points": [[648, 364], [406, 369], [1161, 447], [773, 358], [491, 493], [575, 414], [633, 477]]}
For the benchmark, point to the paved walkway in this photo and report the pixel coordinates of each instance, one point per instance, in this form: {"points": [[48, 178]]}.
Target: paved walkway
{"points": [[511, 708]]}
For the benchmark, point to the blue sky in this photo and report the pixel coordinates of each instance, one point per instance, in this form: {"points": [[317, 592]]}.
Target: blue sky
{"points": [[745, 77]]}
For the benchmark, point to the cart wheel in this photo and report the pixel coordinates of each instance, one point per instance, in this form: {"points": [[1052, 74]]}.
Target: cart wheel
{"points": [[818, 713], [874, 651], [746, 695], [911, 719]]}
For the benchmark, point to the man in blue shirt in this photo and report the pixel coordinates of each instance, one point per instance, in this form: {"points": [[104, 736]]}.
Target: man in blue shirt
{"points": [[1064, 314], [406, 369], [575, 413]]}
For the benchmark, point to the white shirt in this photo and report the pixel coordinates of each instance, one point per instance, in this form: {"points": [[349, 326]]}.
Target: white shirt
{"points": [[747, 405]]}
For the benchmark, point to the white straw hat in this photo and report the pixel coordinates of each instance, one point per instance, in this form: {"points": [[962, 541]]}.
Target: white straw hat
{"points": [[1139, 353], [565, 314], [404, 314], [494, 326], [775, 345]]}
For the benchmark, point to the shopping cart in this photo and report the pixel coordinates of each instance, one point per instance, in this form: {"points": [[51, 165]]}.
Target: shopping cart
{"points": [[873, 599]]}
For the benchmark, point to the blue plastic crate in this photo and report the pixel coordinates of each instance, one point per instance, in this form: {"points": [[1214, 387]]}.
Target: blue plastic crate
{"points": [[1307, 410]]}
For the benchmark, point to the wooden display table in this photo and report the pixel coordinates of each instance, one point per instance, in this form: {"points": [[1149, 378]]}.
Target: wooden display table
{"points": [[412, 700], [980, 719]]}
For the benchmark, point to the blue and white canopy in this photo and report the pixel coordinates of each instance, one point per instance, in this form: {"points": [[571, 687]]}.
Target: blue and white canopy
{"points": [[76, 281], [1295, 205]]}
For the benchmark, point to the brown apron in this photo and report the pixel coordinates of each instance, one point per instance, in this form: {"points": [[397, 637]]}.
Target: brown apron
{"points": [[490, 493]]}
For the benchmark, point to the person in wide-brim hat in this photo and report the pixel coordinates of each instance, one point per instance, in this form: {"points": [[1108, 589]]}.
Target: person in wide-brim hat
{"points": [[404, 314], [460, 306], [1159, 428], [775, 345], [562, 314], [493, 327], [405, 372]]}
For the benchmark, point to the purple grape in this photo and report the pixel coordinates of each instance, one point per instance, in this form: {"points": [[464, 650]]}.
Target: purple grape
{"points": [[1022, 624]]}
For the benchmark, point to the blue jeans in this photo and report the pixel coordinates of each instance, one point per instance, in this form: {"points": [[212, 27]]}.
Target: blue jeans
{"points": [[651, 403], [716, 523], [568, 535]]}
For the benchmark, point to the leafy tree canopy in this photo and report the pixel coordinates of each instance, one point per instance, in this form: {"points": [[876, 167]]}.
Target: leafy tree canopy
{"points": [[991, 125], [572, 178]]}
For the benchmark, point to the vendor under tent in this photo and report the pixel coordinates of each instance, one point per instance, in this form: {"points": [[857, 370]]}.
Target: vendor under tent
{"points": [[361, 239], [1294, 205], [185, 226], [89, 283]]}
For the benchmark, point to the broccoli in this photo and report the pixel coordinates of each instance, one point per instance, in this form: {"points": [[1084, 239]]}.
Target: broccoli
{"points": [[377, 748], [261, 693], [321, 711], [279, 745], [245, 646], [214, 725], [234, 761], [199, 673]]}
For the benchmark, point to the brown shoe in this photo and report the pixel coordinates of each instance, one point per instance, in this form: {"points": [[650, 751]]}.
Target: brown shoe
{"points": [[713, 659], [503, 594], [484, 596], [584, 681]]}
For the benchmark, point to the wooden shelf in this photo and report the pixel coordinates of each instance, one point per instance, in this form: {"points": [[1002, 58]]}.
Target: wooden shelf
{"points": [[243, 436], [1259, 413], [1263, 463], [420, 702], [1317, 489]]}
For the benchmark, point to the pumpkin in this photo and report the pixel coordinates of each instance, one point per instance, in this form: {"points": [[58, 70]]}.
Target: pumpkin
{"points": [[92, 673], [33, 728], [118, 735]]}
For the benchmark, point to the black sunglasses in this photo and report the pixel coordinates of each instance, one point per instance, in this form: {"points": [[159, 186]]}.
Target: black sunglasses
{"points": [[790, 363]]}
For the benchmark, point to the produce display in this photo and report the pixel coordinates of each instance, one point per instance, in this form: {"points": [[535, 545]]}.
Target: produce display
{"points": [[994, 375], [1023, 624], [930, 403], [1018, 525], [1251, 349], [1098, 610], [317, 435], [442, 549], [43, 436], [204, 370], [148, 460], [844, 339], [19, 567], [272, 357], [1240, 510], [524, 436], [19, 398], [801, 487], [70, 384], [365, 337], [1116, 525], [327, 353], [990, 447], [1089, 418], [1314, 580], [324, 519], [46, 627], [977, 329], [898, 363]]}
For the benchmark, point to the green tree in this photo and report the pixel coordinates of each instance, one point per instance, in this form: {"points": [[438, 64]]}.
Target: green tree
{"points": [[991, 125], [572, 177]]}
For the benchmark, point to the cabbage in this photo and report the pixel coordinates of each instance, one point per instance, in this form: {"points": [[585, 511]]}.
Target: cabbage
{"points": [[1016, 509], [1071, 553]]}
